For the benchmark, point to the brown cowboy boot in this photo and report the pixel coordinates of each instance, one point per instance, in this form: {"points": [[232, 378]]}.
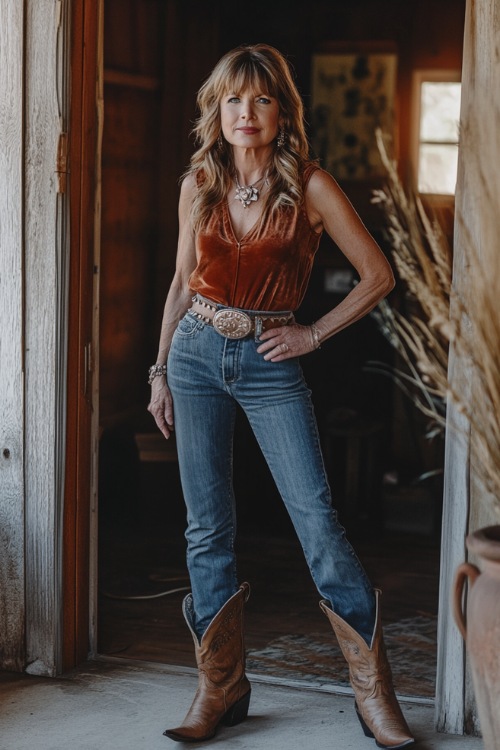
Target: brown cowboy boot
{"points": [[223, 693], [371, 679]]}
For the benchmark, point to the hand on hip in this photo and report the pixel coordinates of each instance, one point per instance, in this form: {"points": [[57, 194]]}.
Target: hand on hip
{"points": [[286, 342]]}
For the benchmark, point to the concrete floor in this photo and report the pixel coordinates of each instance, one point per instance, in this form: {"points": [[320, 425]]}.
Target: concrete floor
{"points": [[103, 706]]}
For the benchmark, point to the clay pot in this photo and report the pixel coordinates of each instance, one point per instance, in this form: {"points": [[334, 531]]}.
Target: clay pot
{"points": [[482, 630]]}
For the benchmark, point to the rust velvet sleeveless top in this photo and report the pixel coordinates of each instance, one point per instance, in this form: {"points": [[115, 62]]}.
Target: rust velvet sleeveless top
{"points": [[266, 269]]}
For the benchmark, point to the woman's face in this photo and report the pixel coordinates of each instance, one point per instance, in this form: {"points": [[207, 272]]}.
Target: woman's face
{"points": [[249, 119]]}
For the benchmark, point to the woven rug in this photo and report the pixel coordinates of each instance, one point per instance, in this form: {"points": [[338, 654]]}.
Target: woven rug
{"points": [[316, 658]]}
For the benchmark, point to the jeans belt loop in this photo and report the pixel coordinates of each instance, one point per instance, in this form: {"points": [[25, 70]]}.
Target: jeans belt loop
{"points": [[258, 326]]}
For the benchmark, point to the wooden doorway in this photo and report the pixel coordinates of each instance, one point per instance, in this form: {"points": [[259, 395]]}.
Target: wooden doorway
{"points": [[149, 104]]}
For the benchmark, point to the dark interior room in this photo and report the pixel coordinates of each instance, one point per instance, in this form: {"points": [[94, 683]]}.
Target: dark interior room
{"points": [[384, 469]]}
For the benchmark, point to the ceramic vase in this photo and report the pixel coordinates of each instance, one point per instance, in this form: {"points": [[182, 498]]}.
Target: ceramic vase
{"points": [[480, 628]]}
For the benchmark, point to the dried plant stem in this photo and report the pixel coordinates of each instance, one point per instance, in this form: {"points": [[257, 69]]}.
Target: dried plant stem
{"points": [[423, 261], [469, 321]]}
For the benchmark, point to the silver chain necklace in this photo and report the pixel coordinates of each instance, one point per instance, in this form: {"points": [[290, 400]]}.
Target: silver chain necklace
{"points": [[248, 194]]}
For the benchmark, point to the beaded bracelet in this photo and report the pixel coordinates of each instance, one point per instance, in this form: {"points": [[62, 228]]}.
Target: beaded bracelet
{"points": [[156, 370]]}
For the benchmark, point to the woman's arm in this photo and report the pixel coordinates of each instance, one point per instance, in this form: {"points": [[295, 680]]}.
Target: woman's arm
{"points": [[329, 208], [178, 301]]}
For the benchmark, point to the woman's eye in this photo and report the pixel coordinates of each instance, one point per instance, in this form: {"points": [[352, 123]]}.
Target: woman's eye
{"points": [[264, 100], [233, 100]]}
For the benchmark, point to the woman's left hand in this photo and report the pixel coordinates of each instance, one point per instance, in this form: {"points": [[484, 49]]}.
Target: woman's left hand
{"points": [[287, 342]]}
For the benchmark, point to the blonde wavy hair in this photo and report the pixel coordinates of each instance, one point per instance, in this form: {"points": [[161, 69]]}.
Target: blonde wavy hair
{"points": [[262, 69]]}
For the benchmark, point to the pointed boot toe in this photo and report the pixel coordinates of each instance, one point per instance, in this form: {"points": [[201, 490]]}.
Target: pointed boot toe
{"points": [[223, 693], [370, 675]]}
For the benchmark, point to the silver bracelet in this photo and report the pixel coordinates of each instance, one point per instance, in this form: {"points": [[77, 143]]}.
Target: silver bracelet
{"points": [[156, 370], [315, 335]]}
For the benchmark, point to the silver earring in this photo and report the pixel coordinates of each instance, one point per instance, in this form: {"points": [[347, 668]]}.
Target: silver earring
{"points": [[220, 143], [280, 142]]}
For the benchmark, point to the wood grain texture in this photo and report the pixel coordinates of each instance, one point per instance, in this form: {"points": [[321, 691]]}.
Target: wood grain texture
{"points": [[464, 506], [80, 451], [451, 651], [46, 311], [12, 615]]}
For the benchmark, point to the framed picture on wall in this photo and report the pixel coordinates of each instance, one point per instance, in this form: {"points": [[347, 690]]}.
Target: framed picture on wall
{"points": [[352, 94]]}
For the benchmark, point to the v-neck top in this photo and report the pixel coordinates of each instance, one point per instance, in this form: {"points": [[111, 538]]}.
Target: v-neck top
{"points": [[266, 269]]}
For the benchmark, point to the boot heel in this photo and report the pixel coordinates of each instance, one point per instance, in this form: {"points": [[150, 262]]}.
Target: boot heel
{"points": [[368, 732], [237, 713]]}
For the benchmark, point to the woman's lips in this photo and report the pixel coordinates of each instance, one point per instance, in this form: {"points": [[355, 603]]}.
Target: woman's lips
{"points": [[248, 131]]}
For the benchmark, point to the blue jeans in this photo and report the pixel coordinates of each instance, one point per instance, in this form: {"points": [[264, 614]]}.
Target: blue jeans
{"points": [[208, 375]]}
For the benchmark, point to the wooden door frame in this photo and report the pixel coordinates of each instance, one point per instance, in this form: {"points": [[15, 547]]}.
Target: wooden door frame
{"points": [[80, 500], [34, 221], [467, 505]]}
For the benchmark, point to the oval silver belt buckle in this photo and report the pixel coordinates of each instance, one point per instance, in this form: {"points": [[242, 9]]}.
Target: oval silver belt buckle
{"points": [[233, 324]]}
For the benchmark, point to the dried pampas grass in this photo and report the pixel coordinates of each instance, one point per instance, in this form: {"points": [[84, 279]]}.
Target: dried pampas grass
{"points": [[464, 315], [421, 337]]}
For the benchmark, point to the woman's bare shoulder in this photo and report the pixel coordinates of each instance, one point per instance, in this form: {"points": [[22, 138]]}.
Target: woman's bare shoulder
{"points": [[321, 180], [189, 183], [322, 196]]}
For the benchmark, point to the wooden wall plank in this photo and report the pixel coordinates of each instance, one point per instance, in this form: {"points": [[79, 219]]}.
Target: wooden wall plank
{"points": [[450, 680], [478, 221], [465, 507], [46, 311], [12, 615]]}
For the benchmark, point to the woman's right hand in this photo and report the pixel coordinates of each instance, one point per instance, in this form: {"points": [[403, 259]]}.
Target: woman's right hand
{"points": [[160, 406]]}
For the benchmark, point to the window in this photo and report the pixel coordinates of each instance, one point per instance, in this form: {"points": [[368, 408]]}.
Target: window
{"points": [[437, 116]]}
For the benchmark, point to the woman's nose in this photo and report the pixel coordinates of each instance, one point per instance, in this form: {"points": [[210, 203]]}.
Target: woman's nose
{"points": [[247, 111]]}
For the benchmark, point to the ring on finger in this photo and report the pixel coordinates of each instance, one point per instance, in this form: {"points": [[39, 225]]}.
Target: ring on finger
{"points": [[284, 347]]}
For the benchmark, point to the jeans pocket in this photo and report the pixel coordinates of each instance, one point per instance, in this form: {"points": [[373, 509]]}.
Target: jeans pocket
{"points": [[189, 326]]}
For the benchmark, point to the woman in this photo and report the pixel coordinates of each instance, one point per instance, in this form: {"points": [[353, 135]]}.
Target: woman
{"points": [[251, 211]]}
